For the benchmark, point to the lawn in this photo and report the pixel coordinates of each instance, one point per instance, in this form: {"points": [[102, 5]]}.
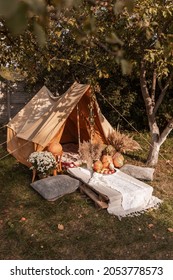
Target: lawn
{"points": [[30, 226]]}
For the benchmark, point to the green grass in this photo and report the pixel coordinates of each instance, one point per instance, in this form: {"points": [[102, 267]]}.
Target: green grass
{"points": [[89, 233]]}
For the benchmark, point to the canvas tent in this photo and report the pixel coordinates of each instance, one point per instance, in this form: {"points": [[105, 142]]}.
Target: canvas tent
{"points": [[46, 118]]}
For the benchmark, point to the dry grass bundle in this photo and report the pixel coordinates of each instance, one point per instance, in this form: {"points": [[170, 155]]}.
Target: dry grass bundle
{"points": [[123, 143], [89, 152]]}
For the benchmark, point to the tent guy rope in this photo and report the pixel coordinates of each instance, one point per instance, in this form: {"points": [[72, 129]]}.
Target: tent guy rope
{"points": [[0, 129], [13, 151], [3, 143], [3, 126], [133, 128]]}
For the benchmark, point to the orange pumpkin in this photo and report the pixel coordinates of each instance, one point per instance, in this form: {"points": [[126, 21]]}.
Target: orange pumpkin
{"points": [[97, 166], [118, 160], [106, 160], [55, 148]]}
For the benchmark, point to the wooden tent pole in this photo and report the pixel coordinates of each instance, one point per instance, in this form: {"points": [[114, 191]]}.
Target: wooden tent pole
{"points": [[91, 116], [78, 125]]}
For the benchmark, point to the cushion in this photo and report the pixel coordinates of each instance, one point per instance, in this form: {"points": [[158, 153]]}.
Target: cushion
{"points": [[138, 172], [53, 187]]}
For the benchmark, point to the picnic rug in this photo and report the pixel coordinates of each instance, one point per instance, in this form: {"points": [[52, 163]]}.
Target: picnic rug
{"points": [[128, 196]]}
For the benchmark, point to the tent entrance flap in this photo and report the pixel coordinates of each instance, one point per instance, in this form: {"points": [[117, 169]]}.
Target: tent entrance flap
{"points": [[71, 133], [58, 136]]}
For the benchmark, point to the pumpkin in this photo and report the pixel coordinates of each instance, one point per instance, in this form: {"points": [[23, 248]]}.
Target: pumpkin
{"points": [[106, 160], [55, 148], [118, 160], [109, 150], [97, 166]]}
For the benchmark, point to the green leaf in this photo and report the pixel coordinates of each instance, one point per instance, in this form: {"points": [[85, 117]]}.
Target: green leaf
{"points": [[89, 24], [40, 34], [10, 74], [148, 34], [8, 7], [58, 33], [130, 5], [126, 67], [36, 5], [66, 3], [118, 7], [18, 21], [157, 44], [113, 39]]}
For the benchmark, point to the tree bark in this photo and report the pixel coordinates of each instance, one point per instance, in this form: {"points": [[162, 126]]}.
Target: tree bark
{"points": [[152, 106], [153, 155]]}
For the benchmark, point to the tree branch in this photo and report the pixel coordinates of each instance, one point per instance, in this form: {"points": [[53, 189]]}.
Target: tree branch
{"points": [[103, 46], [153, 89], [160, 84], [144, 89], [166, 132], [163, 93]]}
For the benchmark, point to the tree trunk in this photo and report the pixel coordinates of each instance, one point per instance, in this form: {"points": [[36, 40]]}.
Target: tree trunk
{"points": [[149, 104], [152, 105], [153, 155]]}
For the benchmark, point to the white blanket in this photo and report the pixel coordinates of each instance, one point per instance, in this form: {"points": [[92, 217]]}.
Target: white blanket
{"points": [[134, 194], [127, 195]]}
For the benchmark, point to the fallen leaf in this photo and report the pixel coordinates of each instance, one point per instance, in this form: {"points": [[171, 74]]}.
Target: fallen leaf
{"points": [[80, 216], [10, 224], [60, 227], [155, 236], [170, 229], [150, 225]]}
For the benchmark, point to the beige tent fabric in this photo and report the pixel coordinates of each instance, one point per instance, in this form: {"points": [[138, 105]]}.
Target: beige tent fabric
{"points": [[39, 105], [45, 119], [106, 126], [45, 128], [19, 148]]}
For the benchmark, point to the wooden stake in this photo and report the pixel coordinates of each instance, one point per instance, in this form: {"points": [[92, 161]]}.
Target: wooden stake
{"points": [[78, 126]]}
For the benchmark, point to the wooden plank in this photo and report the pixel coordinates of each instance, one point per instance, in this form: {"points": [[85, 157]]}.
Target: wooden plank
{"points": [[95, 197], [101, 196]]}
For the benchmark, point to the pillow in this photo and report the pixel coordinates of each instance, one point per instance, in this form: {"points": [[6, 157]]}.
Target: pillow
{"points": [[53, 187], [138, 172]]}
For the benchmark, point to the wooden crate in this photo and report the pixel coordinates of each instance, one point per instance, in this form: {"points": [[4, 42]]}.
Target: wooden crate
{"points": [[99, 199]]}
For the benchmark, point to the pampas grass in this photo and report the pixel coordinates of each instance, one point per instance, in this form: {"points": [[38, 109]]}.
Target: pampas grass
{"points": [[123, 143], [89, 152]]}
